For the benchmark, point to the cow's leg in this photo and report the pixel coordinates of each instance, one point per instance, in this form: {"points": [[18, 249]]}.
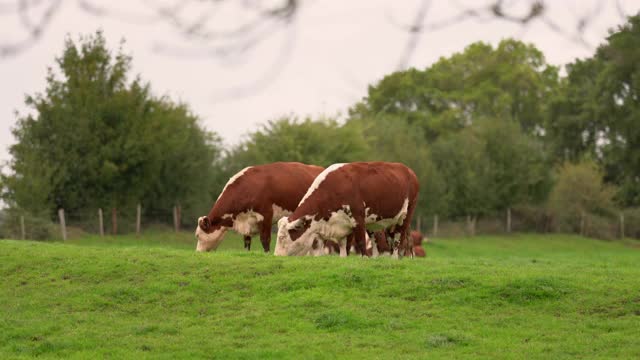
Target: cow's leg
{"points": [[359, 234], [265, 231], [344, 245], [395, 245], [247, 242], [350, 243], [406, 243]]}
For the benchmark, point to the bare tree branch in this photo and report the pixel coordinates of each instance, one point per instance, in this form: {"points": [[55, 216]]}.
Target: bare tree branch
{"points": [[36, 31], [621, 11], [415, 33], [100, 11]]}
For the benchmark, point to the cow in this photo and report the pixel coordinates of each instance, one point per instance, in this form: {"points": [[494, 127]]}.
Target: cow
{"points": [[252, 200], [417, 237], [352, 198]]}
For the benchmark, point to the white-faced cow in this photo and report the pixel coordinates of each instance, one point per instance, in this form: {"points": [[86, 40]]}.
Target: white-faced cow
{"points": [[252, 200], [350, 199]]}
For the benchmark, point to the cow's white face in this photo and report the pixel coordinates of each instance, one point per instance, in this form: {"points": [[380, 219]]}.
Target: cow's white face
{"points": [[208, 242]]}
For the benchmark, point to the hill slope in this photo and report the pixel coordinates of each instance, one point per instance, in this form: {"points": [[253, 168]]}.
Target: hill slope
{"points": [[525, 296]]}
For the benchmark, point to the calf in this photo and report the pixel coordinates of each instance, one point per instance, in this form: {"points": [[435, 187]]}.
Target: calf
{"points": [[352, 198], [418, 250], [252, 200]]}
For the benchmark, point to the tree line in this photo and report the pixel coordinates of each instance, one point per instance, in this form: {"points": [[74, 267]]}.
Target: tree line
{"points": [[486, 129]]}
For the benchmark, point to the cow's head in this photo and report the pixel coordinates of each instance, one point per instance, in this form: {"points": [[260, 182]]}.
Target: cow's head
{"points": [[295, 237], [209, 235]]}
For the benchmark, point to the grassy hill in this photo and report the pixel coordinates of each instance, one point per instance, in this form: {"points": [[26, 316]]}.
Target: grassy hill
{"points": [[484, 297]]}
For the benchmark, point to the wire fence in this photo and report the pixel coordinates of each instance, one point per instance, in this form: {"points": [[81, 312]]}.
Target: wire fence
{"points": [[17, 224], [528, 219], [138, 220]]}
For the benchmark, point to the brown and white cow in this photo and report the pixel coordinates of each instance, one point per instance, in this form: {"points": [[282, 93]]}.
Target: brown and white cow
{"points": [[417, 237], [351, 198], [252, 200]]}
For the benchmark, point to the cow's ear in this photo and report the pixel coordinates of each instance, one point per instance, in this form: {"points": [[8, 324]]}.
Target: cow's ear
{"points": [[204, 223]]}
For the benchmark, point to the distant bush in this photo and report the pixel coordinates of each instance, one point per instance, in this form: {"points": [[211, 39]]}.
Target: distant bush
{"points": [[36, 227], [530, 218], [632, 223], [580, 194]]}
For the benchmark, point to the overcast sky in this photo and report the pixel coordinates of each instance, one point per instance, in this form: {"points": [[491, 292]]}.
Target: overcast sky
{"points": [[320, 64]]}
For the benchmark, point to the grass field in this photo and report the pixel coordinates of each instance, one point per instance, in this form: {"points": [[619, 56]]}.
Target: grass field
{"points": [[520, 297]]}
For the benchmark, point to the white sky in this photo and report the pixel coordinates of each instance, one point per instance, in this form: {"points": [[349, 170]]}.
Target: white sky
{"points": [[339, 47]]}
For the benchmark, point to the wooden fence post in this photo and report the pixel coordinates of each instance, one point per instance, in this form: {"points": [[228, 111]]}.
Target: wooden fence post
{"points": [[582, 224], [471, 225], [114, 221], [509, 220], [100, 222], [138, 214], [22, 230], [419, 223], [622, 225], [175, 218], [179, 216], [435, 225], [63, 226]]}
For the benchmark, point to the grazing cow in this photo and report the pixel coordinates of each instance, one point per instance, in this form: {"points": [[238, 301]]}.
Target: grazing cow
{"points": [[352, 198], [418, 250], [252, 200]]}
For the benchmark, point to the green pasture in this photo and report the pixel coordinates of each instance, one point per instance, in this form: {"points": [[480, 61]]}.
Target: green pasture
{"points": [[523, 297]]}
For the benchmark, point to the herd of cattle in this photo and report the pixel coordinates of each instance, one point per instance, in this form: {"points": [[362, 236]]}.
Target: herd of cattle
{"points": [[364, 207]]}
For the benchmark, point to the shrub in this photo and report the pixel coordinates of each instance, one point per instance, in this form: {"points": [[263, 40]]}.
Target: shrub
{"points": [[36, 227], [579, 191], [632, 223]]}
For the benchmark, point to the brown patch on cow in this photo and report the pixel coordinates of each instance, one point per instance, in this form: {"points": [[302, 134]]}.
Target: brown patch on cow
{"points": [[418, 251], [258, 189], [382, 187], [296, 232], [417, 237]]}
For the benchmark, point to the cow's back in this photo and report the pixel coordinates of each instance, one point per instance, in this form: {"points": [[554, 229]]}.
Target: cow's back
{"points": [[282, 184], [377, 185], [386, 185]]}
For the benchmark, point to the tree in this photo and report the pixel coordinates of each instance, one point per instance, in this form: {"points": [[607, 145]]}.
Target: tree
{"points": [[490, 167], [580, 190], [518, 165], [511, 82], [394, 140], [461, 159], [320, 142], [598, 111], [95, 139]]}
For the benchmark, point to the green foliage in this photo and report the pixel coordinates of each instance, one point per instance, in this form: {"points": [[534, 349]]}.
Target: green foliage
{"points": [[632, 223], [597, 111], [37, 226], [518, 170], [511, 81], [461, 159], [392, 140], [579, 190], [321, 142], [490, 167], [95, 139], [507, 297]]}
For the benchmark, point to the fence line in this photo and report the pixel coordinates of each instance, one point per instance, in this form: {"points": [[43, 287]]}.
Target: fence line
{"points": [[136, 220]]}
